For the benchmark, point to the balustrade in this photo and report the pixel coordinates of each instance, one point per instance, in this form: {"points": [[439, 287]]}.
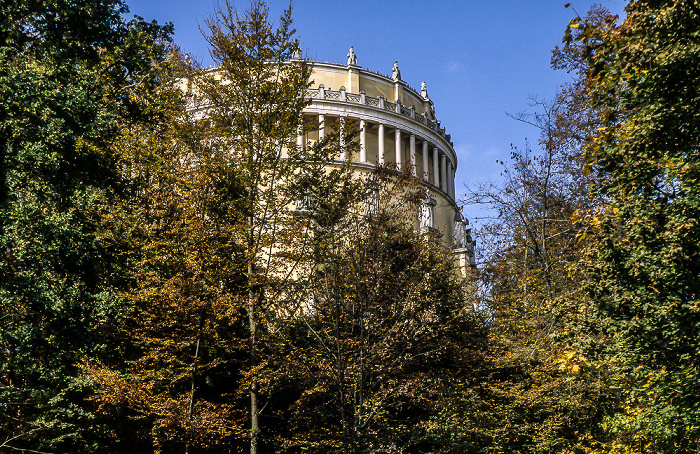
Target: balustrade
{"points": [[442, 167], [351, 97], [380, 102]]}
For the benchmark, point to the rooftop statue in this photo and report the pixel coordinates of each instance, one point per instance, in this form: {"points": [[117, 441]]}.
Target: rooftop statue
{"points": [[352, 58], [424, 91], [395, 73]]}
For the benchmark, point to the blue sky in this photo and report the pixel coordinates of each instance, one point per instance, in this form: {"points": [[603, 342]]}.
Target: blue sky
{"points": [[480, 59]]}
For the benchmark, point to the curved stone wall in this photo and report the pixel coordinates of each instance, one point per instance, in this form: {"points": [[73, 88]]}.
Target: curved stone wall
{"points": [[397, 127]]}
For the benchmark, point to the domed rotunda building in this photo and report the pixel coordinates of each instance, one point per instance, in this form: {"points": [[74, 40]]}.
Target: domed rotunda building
{"points": [[397, 127]]}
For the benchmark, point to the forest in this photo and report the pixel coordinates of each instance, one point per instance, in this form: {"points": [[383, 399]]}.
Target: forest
{"points": [[170, 283]]}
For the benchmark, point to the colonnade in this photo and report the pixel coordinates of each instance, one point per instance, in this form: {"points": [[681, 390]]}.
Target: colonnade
{"points": [[434, 161], [397, 127]]}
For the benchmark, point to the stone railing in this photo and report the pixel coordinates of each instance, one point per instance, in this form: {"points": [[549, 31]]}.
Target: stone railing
{"points": [[201, 104], [380, 103]]}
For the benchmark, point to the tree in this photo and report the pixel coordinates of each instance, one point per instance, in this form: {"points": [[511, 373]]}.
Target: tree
{"points": [[254, 105], [171, 386], [386, 322], [639, 319], [535, 394], [539, 393], [69, 74]]}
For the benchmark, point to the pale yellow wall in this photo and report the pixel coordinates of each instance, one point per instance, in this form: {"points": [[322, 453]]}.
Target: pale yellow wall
{"points": [[419, 159], [373, 85], [330, 80], [372, 146], [408, 98], [375, 88], [333, 78], [353, 81]]}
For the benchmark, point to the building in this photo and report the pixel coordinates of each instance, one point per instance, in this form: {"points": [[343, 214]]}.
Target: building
{"points": [[398, 128]]}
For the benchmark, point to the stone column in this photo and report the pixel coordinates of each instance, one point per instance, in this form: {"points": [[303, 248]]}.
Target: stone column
{"points": [[343, 149], [397, 142], [454, 192], [449, 178], [426, 168], [412, 153], [443, 173], [363, 141], [300, 135], [321, 126], [380, 144], [436, 167]]}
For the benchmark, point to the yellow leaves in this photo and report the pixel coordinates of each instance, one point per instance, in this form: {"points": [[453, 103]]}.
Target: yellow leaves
{"points": [[570, 361], [652, 286]]}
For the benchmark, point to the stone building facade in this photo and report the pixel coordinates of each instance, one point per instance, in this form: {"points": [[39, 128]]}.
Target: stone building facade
{"points": [[397, 127]]}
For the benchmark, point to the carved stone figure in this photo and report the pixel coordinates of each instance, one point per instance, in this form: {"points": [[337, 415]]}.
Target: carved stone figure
{"points": [[470, 243], [395, 73], [424, 91], [296, 55], [372, 202], [352, 58], [459, 232], [427, 219]]}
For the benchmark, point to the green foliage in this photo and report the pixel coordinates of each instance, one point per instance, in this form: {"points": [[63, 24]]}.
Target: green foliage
{"points": [[179, 346], [61, 64], [539, 394], [641, 261], [383, 327], [532, 394]]}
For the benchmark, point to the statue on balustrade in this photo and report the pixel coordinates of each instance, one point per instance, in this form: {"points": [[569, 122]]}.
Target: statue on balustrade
{"points": [[424, 91], [352, 58], [395, 73]]}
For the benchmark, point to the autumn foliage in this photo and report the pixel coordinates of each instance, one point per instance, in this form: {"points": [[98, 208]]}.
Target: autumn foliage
{"points": [[176, 275]]}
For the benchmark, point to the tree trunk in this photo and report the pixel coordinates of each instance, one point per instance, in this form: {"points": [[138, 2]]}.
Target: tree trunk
{"points": [[254, 422]]}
